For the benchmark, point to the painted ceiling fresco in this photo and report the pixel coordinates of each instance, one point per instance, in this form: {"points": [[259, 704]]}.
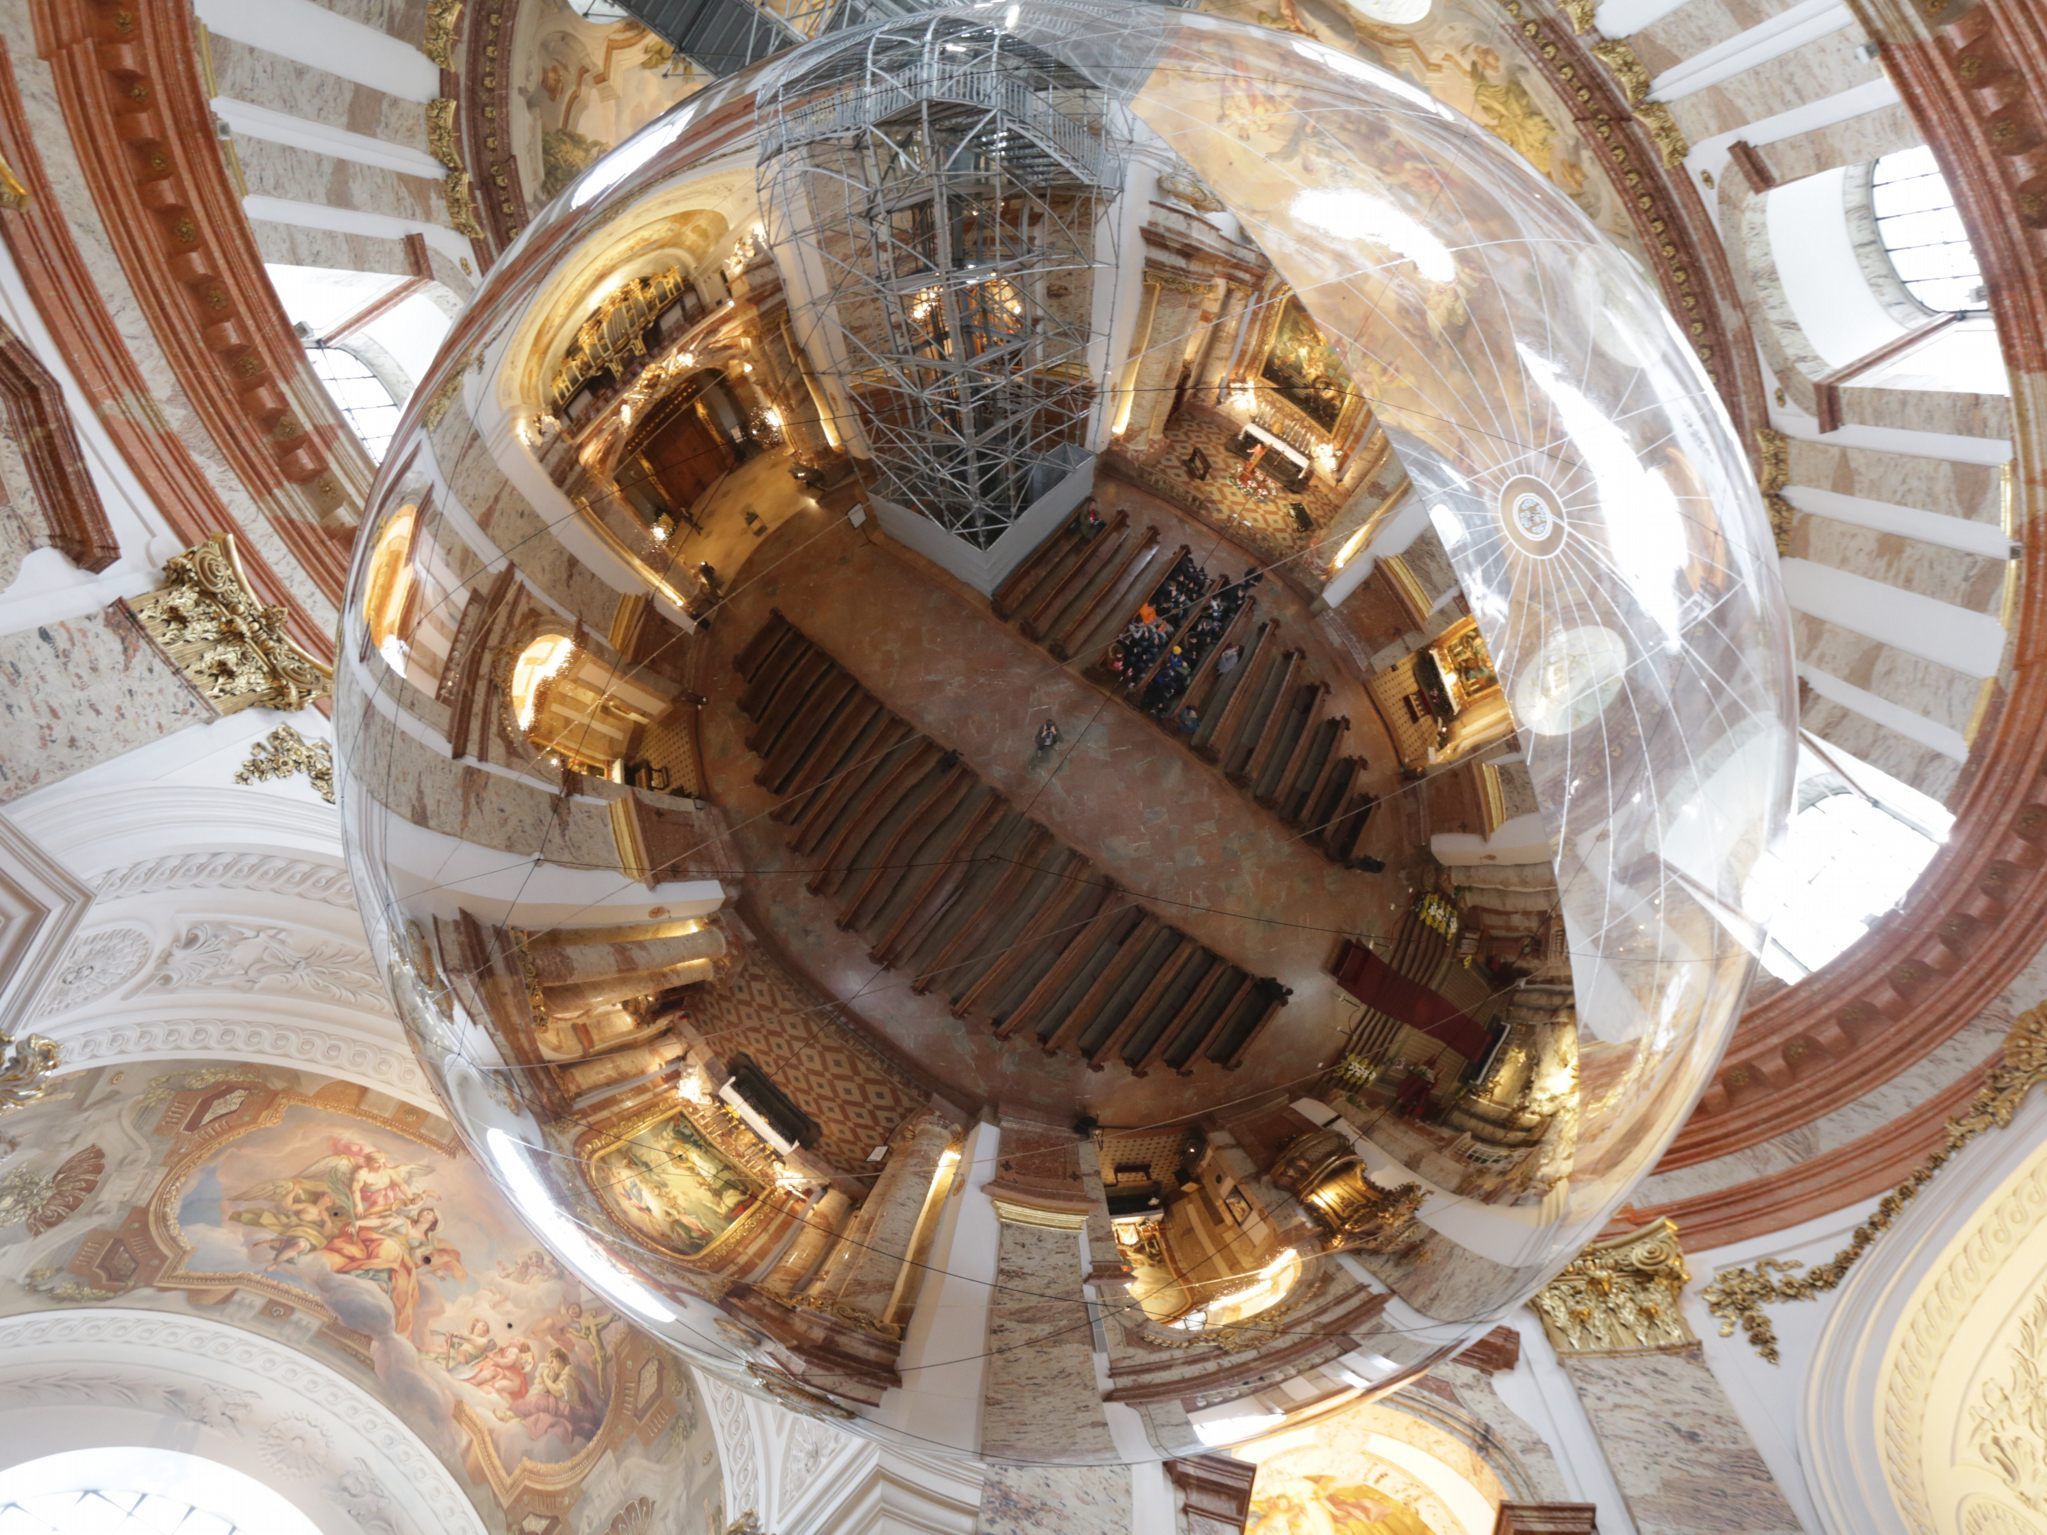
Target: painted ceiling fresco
{"points": [[354, 1226]]}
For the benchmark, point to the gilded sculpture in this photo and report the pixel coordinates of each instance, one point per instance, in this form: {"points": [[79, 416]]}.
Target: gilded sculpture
{"points": [[1619, 1296], [284, 753], [26, 1065], [231, 647]]}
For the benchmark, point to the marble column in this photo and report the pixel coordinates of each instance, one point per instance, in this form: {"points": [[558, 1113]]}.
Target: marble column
{"points": [[1220, 349], [578, 977], [801, 426], [1158, 369], [1133, 362], [583, 1079], [822, 1223], [1683, 1461], [560, 957], [861, 1273], [1042, 1400]]}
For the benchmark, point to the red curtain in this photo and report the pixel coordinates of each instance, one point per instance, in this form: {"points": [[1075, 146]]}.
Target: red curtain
{"points": [[1377, 984]]}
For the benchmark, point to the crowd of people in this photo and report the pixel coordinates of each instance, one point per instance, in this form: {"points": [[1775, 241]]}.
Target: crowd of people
{"points": [[1161, 628]]}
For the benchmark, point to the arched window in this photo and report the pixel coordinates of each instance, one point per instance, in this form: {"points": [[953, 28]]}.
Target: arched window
{"points": [[389, 585], [359, 394], [1922, 233], [137, 1491], [538, 664], [1847, 858]]}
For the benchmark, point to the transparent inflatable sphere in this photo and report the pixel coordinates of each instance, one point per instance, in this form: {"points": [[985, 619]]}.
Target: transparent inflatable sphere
{"points": [[1056, 720]]}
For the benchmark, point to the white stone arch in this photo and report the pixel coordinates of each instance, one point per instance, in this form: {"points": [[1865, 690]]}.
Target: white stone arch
{"points": [[222, 924], [103, 1377], [1961, 1255]]}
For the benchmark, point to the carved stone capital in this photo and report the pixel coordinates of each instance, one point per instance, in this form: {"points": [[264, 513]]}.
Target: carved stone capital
{"points": [[1619, 1296], [233, 649]]}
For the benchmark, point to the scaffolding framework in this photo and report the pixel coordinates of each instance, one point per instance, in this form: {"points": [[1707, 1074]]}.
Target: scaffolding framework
{"points": [[935, 196]]}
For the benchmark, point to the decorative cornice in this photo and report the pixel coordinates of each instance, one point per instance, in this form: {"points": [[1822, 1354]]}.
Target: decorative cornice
{"points": [[486, 94], [230, 647], [72, 521], [1978, 915], [296, 1044], [127, 81], [327, 883], [1737, 1295], [1619, 1296], [67, 296], [1634, 144], [1030, 1211]]}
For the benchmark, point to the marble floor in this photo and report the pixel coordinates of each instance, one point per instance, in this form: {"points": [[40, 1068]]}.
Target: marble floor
{"points": [[1166, 826]]}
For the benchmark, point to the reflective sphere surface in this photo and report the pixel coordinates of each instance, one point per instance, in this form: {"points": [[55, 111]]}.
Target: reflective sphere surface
{"points": [[1065, 692]]}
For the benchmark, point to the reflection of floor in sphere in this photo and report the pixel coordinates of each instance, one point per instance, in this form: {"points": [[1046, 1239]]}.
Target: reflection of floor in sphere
{"points": [[1144, 811]]}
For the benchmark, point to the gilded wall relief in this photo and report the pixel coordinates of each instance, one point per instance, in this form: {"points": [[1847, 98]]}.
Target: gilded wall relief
{"points": [[318, 1202]]}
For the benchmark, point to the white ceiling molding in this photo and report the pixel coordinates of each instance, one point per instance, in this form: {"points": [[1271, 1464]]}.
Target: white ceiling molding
{"points": [[97, 827], [42, 905], [106, 1377], [271, 1041], [223, 925], [1956, 1261]]}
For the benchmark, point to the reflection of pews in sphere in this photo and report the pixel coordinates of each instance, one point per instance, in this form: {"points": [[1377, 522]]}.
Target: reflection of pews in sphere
{"points": [[948, 880]]}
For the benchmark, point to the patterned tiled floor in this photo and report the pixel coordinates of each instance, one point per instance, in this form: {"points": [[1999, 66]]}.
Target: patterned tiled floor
{"points": [[832, 1075], [1160, 822], [1258, 517]]}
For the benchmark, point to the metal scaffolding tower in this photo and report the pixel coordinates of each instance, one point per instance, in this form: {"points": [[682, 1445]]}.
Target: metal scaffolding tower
{"points": [[936, 196]]}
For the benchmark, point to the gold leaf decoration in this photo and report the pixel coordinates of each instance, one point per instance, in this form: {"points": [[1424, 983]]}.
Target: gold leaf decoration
{"points": [[1737, 1296]]}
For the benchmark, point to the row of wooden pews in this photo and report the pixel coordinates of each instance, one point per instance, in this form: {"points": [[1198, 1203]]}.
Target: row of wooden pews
{"points": [[946, 879], [1265, 723]]}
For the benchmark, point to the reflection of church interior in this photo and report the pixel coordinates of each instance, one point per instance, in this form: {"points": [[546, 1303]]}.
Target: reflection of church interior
{"points": [[1072, 768]]}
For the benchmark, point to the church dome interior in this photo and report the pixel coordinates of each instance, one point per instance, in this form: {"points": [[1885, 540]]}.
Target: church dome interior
{"points": [[1038, 767]]}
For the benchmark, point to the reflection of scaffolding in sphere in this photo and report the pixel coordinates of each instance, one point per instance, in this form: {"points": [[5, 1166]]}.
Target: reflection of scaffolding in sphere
{"points": [[932, 194]]}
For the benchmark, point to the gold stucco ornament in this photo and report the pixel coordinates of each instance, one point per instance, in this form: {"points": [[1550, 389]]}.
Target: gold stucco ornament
{"points": [[1737, 1295]]}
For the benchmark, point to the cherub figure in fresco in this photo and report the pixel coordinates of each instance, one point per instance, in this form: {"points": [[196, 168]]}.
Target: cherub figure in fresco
{"points": [[361, 1214], [587, 1328], [459, 1353], [506, 1372]]}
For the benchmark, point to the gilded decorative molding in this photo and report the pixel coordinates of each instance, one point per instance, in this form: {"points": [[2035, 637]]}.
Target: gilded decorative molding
{"points": [[838, 1311], [459, 191], [231, 647], [284, 753], [1678, 237], [438, 40], [13, 194], [1632, 76], [487, 119], [1185, 187], [443, 133], [1619, 1296], [1773, 473], [1737, 1295], [1018, 1213], [27, 1063], [1581, 13], [793, 1394]]}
